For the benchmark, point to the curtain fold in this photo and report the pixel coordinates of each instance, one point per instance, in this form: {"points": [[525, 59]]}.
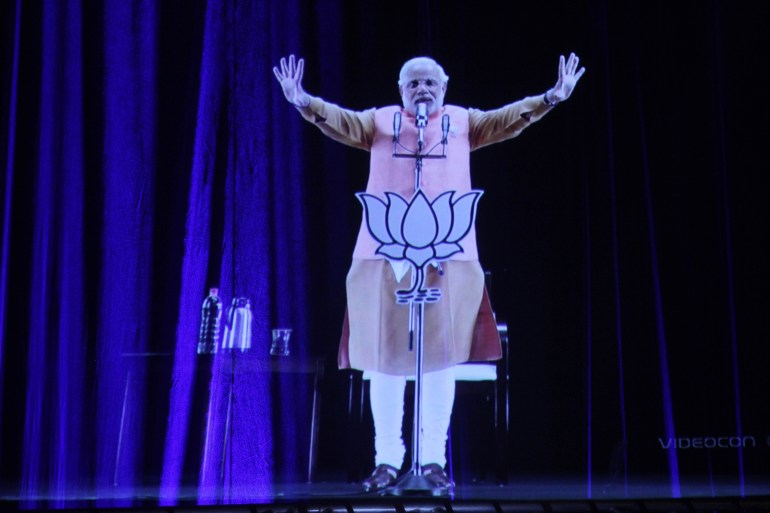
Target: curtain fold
{"points": [[55, 416], [123, 332], [210, 121], [9, 130]]}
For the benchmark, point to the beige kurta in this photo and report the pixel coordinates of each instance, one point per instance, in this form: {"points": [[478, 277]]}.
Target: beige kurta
{"points": [[460, 327]]}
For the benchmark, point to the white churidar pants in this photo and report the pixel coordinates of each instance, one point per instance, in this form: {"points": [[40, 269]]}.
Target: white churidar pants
{"points": [[386, 395]]}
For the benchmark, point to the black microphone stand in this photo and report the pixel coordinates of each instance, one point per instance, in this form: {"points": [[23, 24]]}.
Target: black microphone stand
{"points": [[414, 482]]}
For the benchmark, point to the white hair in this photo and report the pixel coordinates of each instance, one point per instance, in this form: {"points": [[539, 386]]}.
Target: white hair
{"points": [[421, 60]]}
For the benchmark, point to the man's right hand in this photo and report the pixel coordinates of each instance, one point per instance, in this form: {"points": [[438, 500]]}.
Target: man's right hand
{"points": [[290, 78]]}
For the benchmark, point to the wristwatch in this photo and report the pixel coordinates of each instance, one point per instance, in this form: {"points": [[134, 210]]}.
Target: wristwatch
{"points": [[547, 101]]}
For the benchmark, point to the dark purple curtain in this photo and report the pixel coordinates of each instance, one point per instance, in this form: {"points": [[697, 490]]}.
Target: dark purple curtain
{"points": [[149, 155], [126, 240]]}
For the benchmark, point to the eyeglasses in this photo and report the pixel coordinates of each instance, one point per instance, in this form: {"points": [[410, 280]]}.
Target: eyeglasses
{"points": [[430, 83]]}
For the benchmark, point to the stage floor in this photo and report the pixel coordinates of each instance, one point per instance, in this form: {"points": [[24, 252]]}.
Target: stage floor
{"points": [[531, 489]]}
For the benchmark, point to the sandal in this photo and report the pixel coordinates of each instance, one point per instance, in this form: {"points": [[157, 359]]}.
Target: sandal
{"points": [[436, 476], [382, 477]]}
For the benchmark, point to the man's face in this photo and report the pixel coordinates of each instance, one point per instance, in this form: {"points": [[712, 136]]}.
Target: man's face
{"points": [[423, 85]]}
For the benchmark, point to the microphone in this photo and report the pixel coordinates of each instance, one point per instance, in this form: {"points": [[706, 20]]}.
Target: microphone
{"points": [[444, 127], [396, 126], [421, 120], [422, 115]]}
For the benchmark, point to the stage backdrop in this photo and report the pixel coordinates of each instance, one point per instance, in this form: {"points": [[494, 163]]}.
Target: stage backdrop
{"points": [[150, 155]]}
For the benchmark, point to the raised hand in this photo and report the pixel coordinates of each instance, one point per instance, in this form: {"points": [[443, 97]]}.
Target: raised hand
{"points": [[568, 78], [290, 78]]}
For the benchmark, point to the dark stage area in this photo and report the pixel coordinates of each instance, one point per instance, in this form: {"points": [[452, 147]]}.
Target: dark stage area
{"points": [[532, 494], [150, 155]]}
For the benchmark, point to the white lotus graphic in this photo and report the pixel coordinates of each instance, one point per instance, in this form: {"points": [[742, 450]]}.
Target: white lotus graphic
{"points": [[419, 232]]}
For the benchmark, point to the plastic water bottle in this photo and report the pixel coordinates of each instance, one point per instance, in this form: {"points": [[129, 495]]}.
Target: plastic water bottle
{"points": [[211, 313], [238, 327]]}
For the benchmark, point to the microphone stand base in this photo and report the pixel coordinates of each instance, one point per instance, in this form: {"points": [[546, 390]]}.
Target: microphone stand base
{"points": [[412, 485]]}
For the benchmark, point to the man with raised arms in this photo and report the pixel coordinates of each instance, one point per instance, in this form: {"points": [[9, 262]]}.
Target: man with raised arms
{"points": [[459, 327]]}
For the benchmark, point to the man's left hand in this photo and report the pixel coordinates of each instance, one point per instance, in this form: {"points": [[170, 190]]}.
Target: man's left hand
{"points": [[568, 78]]}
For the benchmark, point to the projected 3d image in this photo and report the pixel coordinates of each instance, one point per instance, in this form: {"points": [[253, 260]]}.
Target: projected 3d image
{"points": [[247, 261]]}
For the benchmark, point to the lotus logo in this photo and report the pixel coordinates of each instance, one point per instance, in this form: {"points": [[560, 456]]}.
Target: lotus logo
{"points": [[419, 232]]}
